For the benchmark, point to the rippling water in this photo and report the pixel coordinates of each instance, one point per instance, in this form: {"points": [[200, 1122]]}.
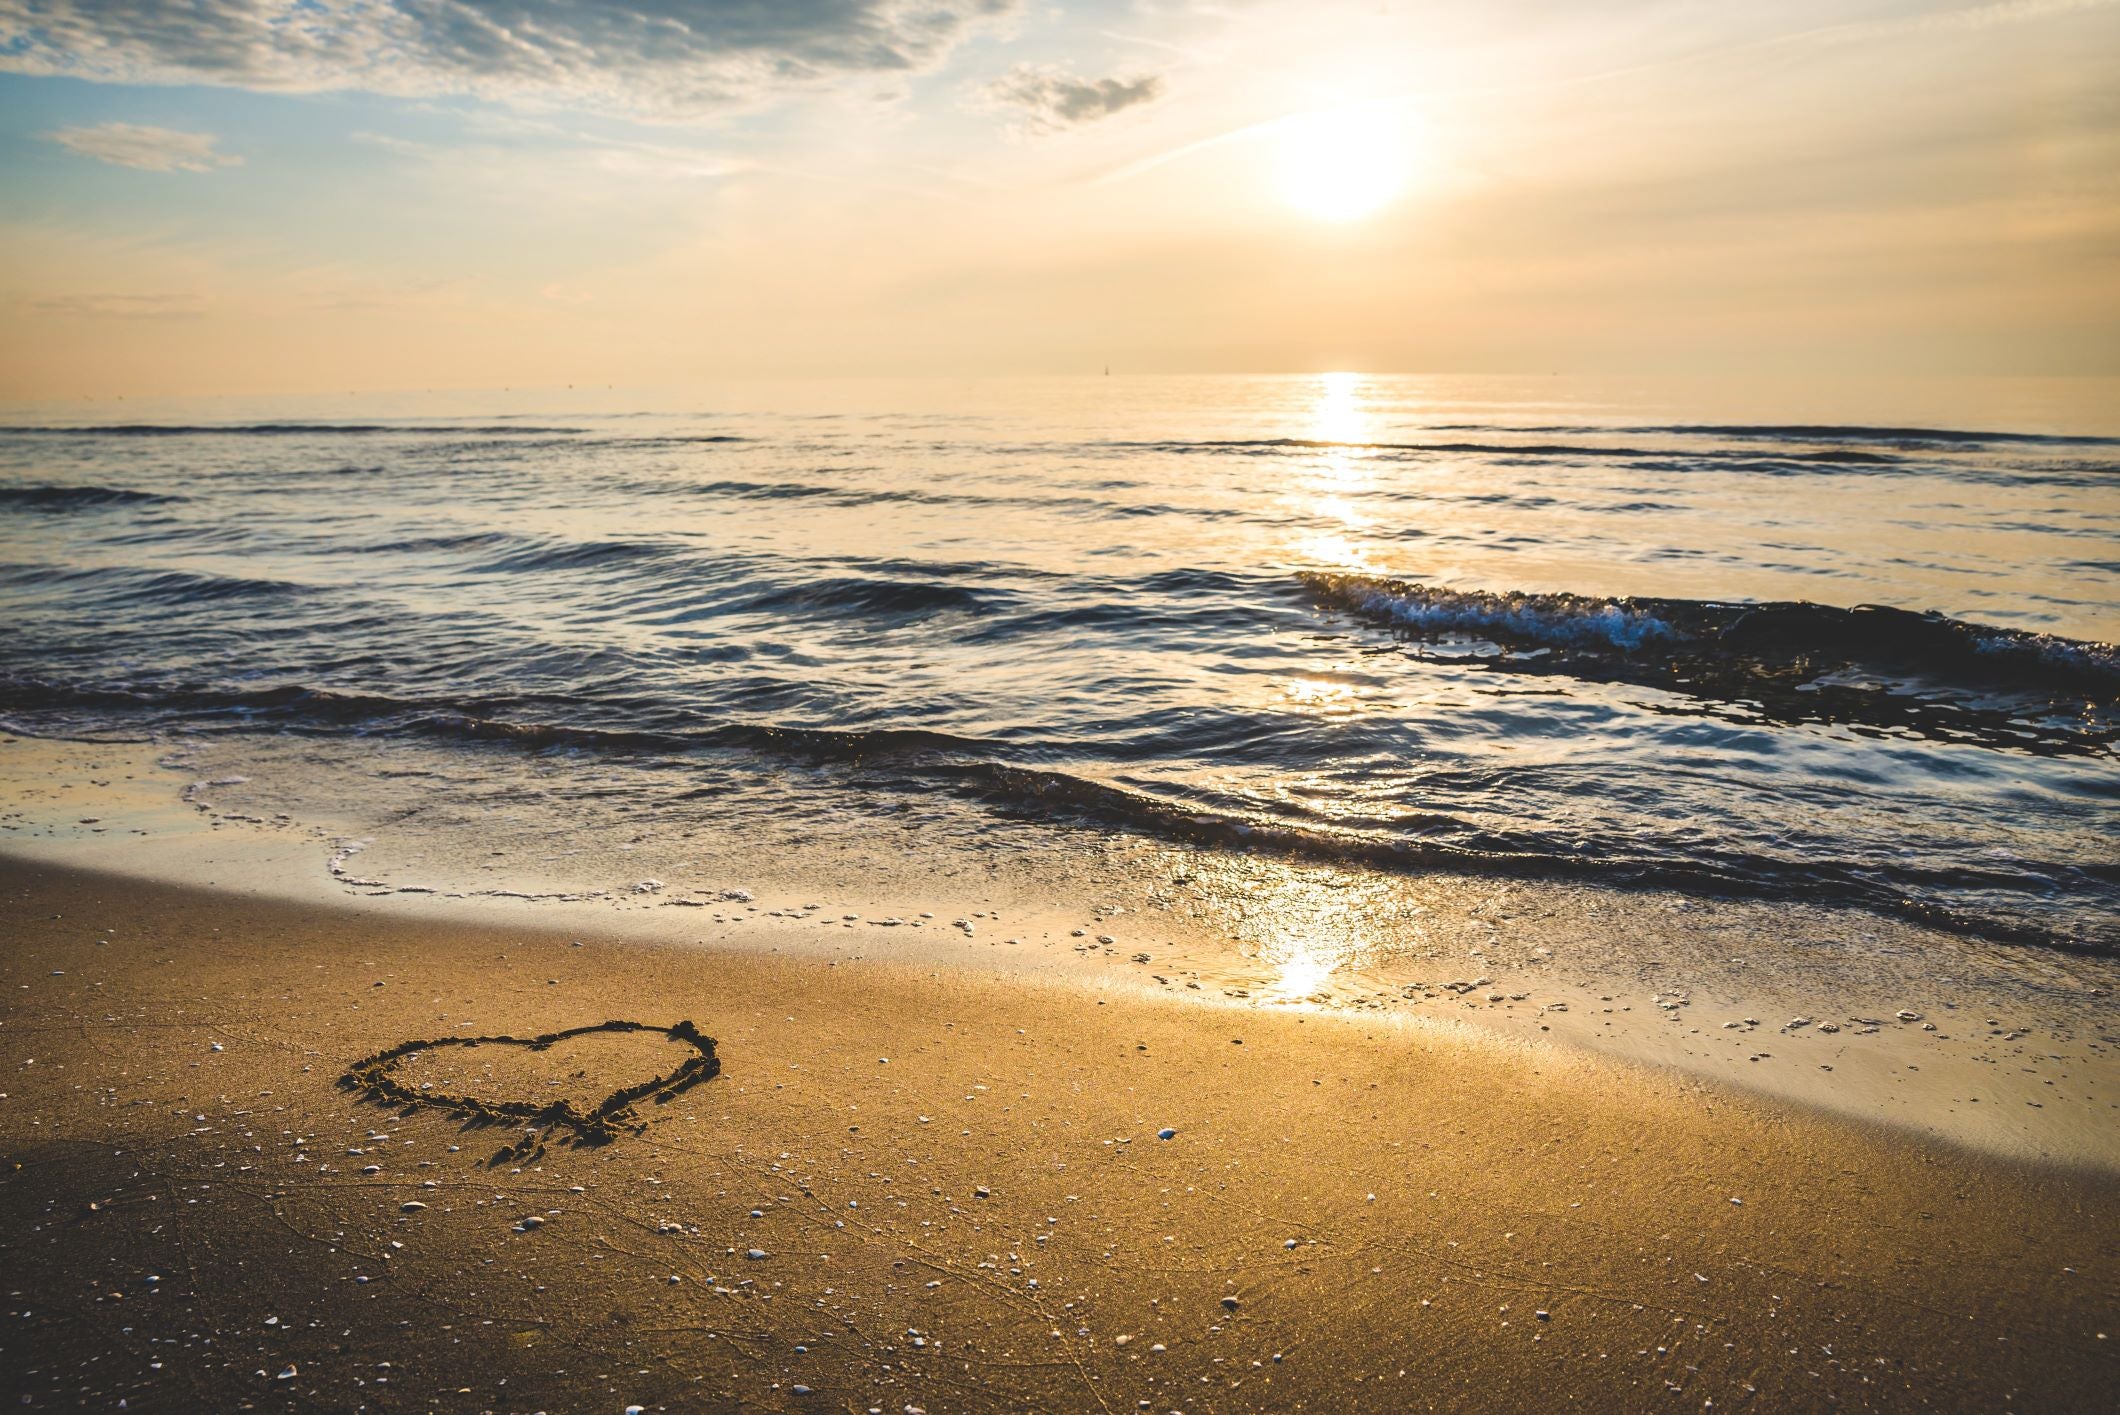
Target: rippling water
{"points": [[1367, 619]]}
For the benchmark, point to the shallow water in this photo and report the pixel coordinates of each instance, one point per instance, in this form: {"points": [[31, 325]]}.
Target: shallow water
{"points": [[1391, 622]]}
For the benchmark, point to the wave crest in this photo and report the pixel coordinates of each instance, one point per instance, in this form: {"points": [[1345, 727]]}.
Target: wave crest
{"points": [[1512, 616], [1871, 667]]}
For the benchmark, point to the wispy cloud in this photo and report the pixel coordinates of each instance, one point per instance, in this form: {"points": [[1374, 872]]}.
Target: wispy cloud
{"points": [[559, 145], [149, 149], [1971, 17], [107, 306], [1047, 99], [666, 58], [405, 147]]}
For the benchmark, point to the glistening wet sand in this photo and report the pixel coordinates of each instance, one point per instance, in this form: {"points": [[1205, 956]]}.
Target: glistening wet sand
{"points": [[2003, 1050], [958, 1191]]}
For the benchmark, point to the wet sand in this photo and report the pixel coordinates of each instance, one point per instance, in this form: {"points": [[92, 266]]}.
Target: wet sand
{"points": [[957, 1193], [2009, 1051]]}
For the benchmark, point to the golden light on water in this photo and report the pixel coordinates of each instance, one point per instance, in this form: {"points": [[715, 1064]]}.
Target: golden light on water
{"points": [[1342, 164], [1320, 696], [1298, 976], [1334, 550], [1337, 413], [1307, 929]]}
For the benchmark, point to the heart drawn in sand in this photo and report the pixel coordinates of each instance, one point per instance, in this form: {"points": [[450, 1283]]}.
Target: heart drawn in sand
{"points": [[593, 1122]]}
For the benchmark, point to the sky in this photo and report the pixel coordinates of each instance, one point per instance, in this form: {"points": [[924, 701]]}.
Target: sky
{"points": [[206, 197]]}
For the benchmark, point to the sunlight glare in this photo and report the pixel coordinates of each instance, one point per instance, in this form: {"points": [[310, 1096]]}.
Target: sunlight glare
{"points": [[1339, 412], [1343, 163], [1299, 977]]}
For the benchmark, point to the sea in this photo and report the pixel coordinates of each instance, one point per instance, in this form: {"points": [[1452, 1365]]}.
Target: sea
{"points": [[1842, 651]]}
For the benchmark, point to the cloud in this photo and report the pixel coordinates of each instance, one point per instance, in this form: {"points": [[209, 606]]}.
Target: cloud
{"points": [[149, 149], [121, 306], [660, 58], [1050, 99]]}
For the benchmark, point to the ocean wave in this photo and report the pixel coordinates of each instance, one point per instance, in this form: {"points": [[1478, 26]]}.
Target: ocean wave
{"points": [[296, 706], [858, 496], [1009, 778], [569, 436], [284, 430], [1517, 618], [871, 598], [1262, 446], [1845, 457], [163, 701], [443, 542], [1797, 432], [113, 585], [1794, 630], [75, 498], [1501, 448], [539, 555], [675, 439], [1870, 667], [1877, 450], [1726, 874]]}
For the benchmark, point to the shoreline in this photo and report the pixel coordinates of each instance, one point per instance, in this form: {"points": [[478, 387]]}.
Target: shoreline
{"points": [[2001, 1051], [956, 1185]]}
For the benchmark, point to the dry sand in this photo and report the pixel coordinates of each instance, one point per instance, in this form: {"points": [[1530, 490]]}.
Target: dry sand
{"points": [[958, 1190]]}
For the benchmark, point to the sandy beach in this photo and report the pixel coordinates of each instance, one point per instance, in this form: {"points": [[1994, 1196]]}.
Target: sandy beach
{"points": [[911, 1188], [928, 707]]}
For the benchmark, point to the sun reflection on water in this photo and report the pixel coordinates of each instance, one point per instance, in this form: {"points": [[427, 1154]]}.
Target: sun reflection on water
{"points": [[1307, 931], [1298, 976], [1336, 478], [1333, 549], [1321, 695], [1340, 412]]}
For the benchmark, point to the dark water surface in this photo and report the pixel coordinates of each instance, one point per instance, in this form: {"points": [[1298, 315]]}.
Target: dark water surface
{"points": [[1357, 618]]}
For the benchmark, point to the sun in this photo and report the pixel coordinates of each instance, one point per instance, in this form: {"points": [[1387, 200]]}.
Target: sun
{"points": [[1341, 164]]}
